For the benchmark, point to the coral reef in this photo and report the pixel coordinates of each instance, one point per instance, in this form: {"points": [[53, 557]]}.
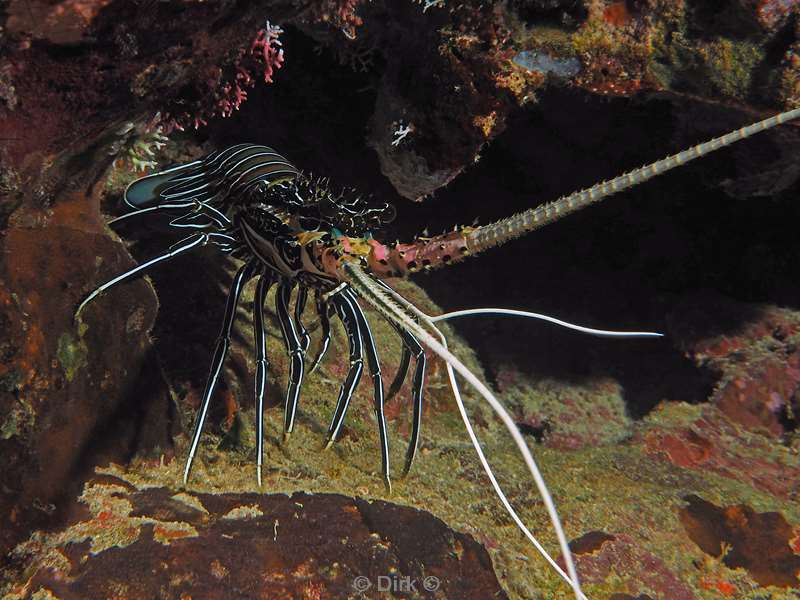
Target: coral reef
{"points": [[674, 464]]}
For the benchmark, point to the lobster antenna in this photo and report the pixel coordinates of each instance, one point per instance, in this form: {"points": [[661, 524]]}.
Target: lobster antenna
{"points": [[378, 298], [398, 259], [502, 231], [532, 315], [431, 320]]}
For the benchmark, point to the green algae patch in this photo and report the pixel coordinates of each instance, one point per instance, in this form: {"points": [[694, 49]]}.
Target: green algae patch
{"points": [[110, 524], [731, 66], [710, 64], [44, 594], [72, 353], [11, 380], [19, 419], [568, 416]]}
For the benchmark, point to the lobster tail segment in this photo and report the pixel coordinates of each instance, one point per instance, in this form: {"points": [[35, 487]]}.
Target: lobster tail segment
{"points": [[500, 232]]}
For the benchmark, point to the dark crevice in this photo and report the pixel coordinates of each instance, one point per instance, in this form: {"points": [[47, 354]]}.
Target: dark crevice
{"points": [[638, 261], [564, 13], [722, 18], [537, 432]]}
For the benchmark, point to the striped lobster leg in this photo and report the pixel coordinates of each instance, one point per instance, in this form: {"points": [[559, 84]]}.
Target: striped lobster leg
{"points": [[242, 276]]}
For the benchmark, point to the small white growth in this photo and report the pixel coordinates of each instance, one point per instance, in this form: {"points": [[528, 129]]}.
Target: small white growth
{"points": [[137, 144], [401, 132]]}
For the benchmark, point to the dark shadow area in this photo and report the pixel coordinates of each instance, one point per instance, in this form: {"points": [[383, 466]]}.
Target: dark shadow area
{"points": [[564, 13], [637, 261]]}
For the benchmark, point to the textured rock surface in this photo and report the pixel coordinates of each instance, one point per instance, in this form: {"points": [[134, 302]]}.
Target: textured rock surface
{"points": [[674, 464], [64, 382], [153, 542]]}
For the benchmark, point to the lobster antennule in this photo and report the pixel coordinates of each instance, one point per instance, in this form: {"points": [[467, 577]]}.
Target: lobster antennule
{"points": [[512, 227], [387, 305]]}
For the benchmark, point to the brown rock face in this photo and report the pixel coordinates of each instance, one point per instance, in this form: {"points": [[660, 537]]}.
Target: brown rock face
{"points": [[762, 543], [63, 381], [154, 543]]}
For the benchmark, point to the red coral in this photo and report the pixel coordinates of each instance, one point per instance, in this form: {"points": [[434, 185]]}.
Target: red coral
{"points": [[222, 97]]}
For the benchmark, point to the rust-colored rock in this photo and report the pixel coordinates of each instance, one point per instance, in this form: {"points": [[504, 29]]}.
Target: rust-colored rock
{"points": [[759, 363], [599, 555], [713, 444], [761, 543]]}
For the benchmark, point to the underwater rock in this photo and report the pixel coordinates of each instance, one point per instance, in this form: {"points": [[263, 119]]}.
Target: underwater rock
{"points": [[713, 444], [764, 544], [600, 556], [764, 398], [758, 363], [567, 417], [148, 543], [447, 76], [63, 381]]}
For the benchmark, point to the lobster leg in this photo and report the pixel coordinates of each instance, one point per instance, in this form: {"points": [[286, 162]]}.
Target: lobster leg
{"points": [[221, 350], [295, 350], [299, 307], [264, 283], [375, 372], [184, 245], [402, 369], [351, 326], [412, 345], [324, 318]]}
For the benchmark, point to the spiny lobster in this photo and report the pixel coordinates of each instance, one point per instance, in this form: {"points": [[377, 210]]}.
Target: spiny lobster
{"points": [[292, 230]]}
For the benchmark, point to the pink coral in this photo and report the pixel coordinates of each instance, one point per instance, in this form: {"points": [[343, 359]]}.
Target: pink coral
{"points": [[266, 46], [223, 97]]}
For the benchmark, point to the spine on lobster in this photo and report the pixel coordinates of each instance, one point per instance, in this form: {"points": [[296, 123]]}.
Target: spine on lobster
{"points": [[430, 253]]}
